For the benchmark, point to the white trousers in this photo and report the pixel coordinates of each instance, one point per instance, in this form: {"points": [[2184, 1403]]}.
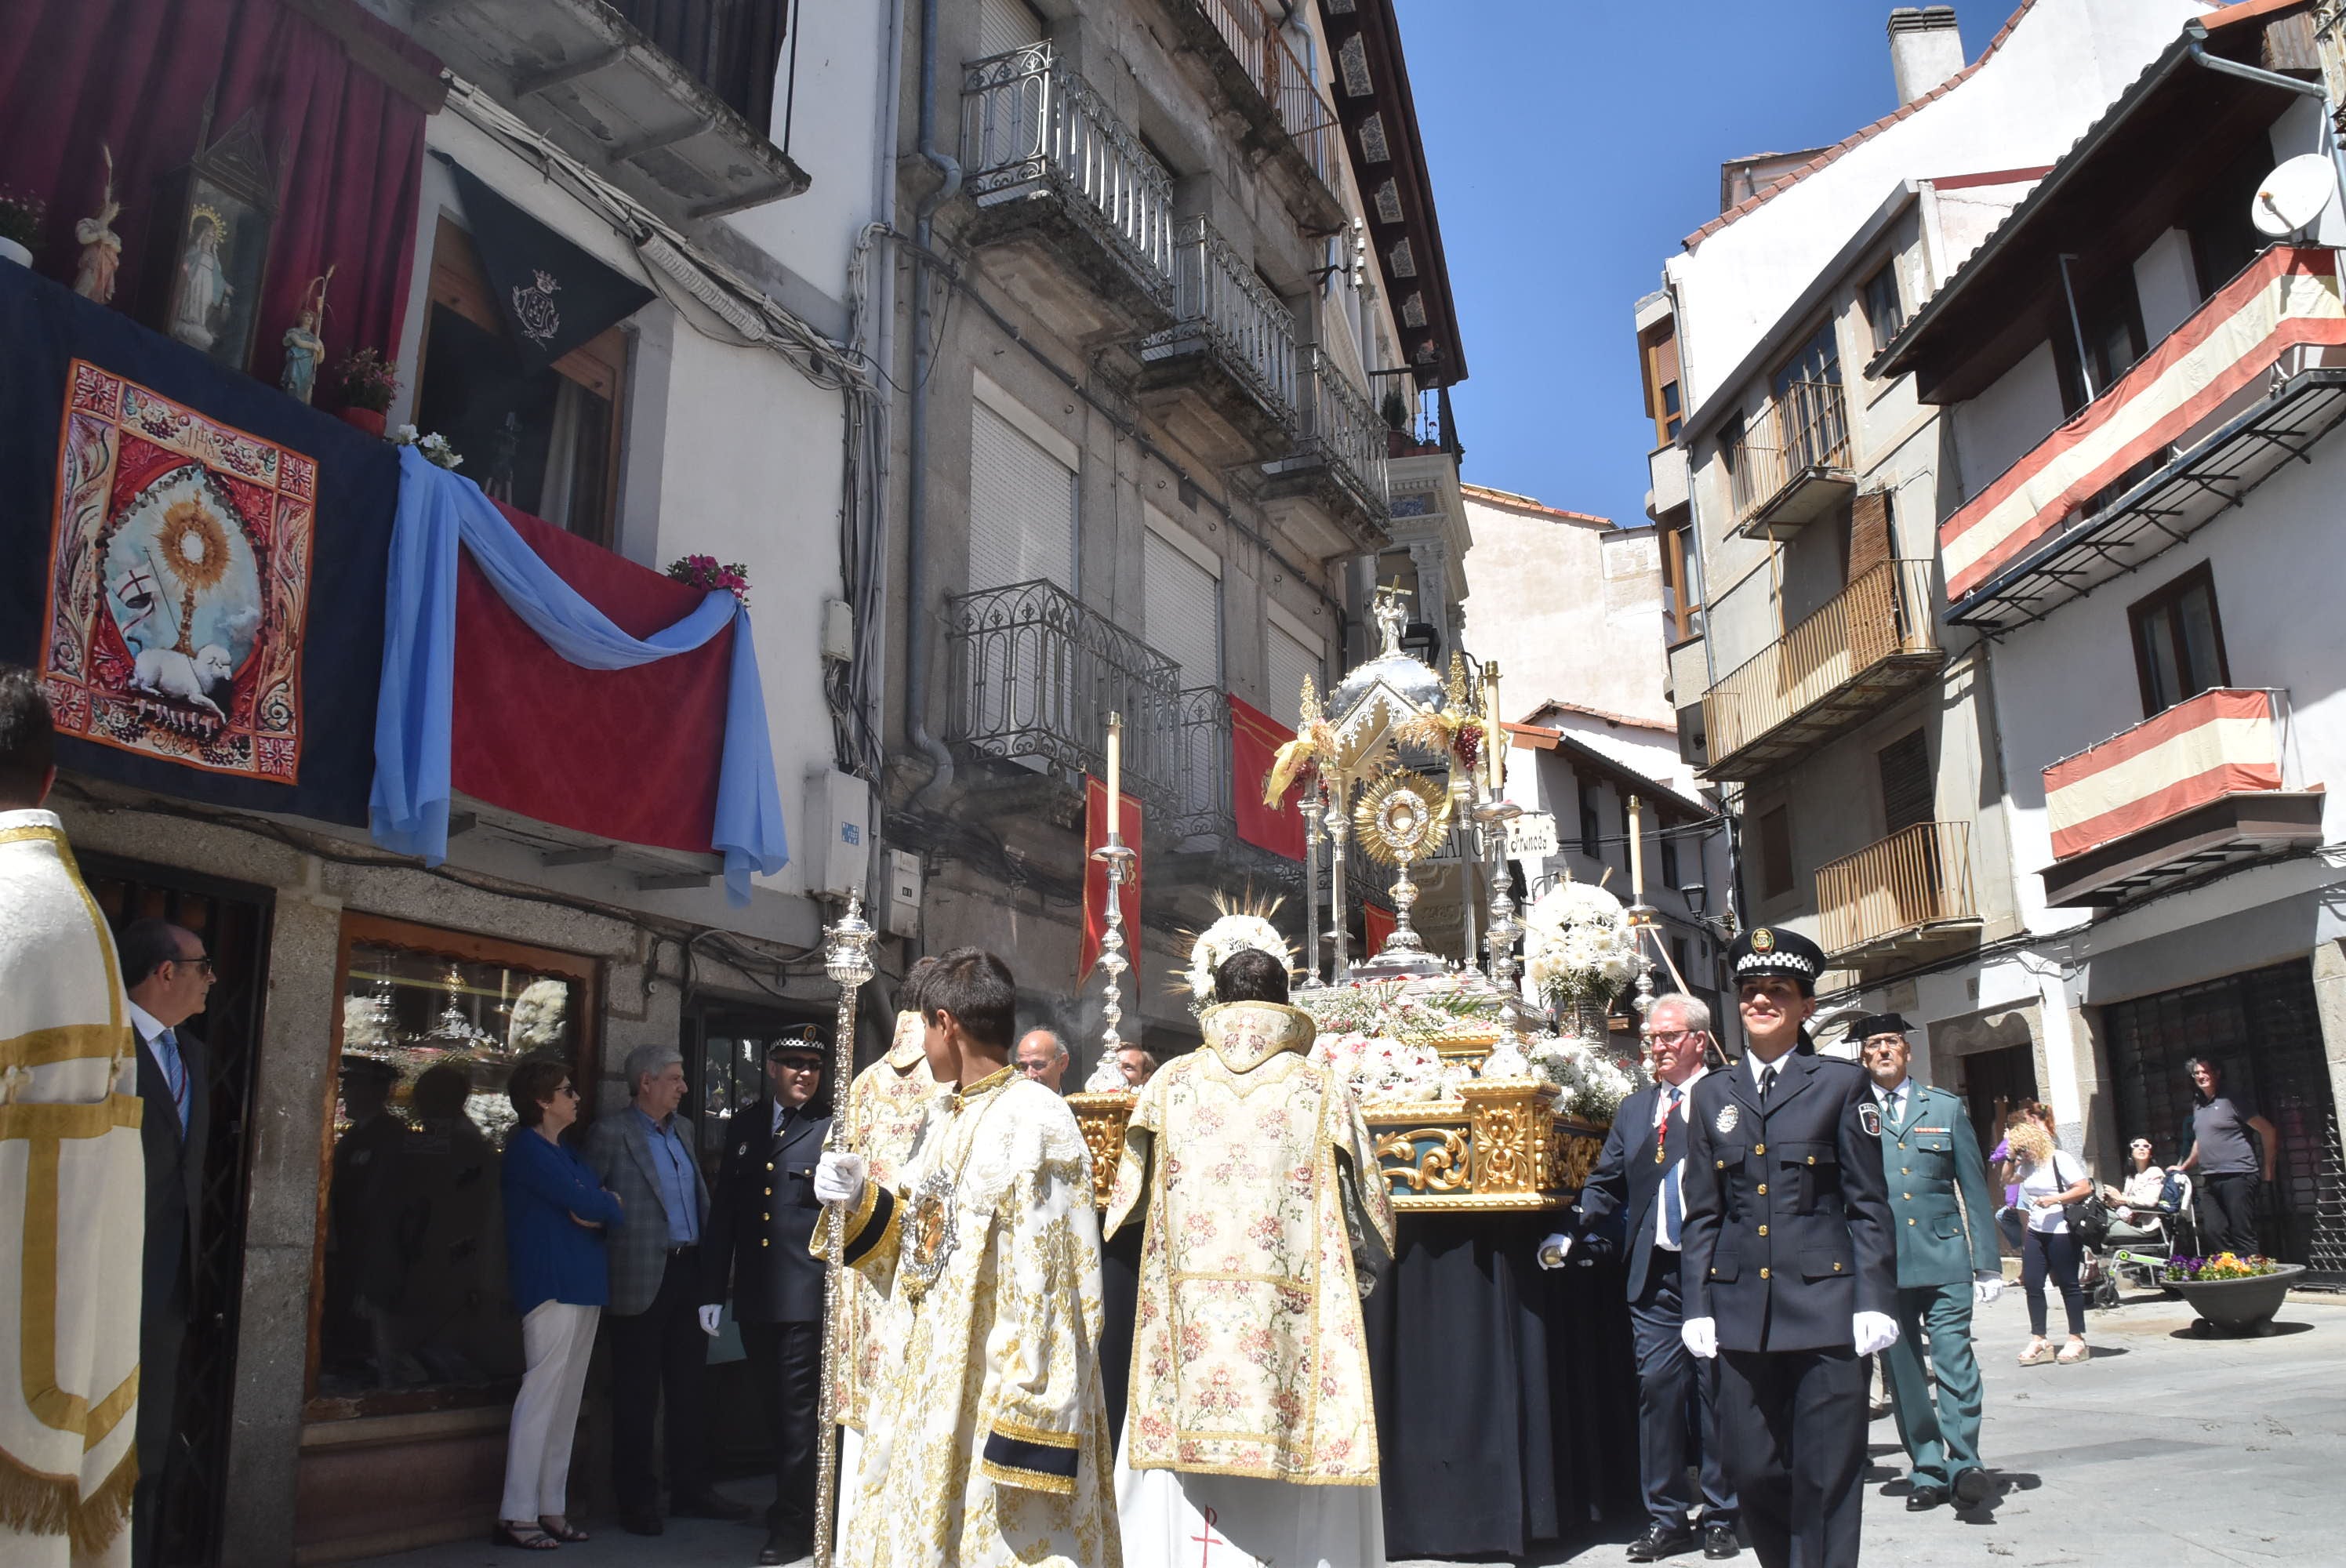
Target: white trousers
{"points": [[557, 1340], [1172, 1520]]}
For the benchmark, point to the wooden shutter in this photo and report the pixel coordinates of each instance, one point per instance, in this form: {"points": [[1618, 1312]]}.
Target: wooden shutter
{"points": [[1181, 606], [1908, 796], [1287, 659], [1869, 533], [1006, 24], [1022, 507]]}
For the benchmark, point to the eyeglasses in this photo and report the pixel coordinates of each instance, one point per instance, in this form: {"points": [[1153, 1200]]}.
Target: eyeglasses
{"points": [[201, 961], [1034, 1069], [1671, 1037], [798, 1065]]}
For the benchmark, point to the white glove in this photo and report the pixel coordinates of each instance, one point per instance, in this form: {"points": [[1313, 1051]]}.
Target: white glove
{"points": [[838, 1178], [1986, 1286], [1874, 1332], [1554, 1250], [709, 1318], [1700, 1336]]}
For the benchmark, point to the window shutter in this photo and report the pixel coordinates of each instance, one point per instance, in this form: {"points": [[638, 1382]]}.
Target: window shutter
{"points": [[1907, 784], [1869, 533], [1287, 660], [1181, 612], [1022, 507], [1006, 24]]}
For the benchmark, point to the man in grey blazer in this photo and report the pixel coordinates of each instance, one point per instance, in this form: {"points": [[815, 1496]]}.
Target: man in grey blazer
{"points": [[643, 1152]]}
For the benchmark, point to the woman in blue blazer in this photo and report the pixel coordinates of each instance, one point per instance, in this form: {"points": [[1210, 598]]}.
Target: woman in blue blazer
{"points": [[555, 1217]]}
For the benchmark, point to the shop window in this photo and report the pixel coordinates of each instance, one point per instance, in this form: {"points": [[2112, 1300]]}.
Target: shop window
{"points": [[2178, 642], [1776, 852], [410, 1307], [545, 441]]}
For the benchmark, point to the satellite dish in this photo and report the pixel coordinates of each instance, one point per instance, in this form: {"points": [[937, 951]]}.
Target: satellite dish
{"points": [[2292, 197]]}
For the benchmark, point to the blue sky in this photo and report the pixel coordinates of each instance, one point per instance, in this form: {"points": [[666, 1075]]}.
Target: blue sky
{"points": [[1573, 145]]}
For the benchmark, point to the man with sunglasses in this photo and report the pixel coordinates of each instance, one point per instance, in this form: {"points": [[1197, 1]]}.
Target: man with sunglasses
{"points": [[170, 977], [761, 1216]]}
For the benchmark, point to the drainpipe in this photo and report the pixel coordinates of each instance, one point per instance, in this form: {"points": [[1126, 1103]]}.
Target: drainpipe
{"points": [[916, 437]]}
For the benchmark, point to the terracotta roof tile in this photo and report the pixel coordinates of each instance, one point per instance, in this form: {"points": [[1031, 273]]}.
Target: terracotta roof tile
{"points": [[1526, 503]]}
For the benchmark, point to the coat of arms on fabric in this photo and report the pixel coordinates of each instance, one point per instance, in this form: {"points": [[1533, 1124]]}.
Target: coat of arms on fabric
{"points": [[178, 582]]}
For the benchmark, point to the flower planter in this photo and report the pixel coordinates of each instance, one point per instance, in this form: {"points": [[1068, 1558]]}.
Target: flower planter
{"points": [[371, 420], [2237, 1306]]}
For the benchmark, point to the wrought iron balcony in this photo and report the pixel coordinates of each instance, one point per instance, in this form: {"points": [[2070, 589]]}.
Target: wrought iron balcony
{"points": [[1203, 816], [1040, 150], [1272, 89], [1036, 672], [1874, 640], [1339, 449], [2191, 789], [1909, 896], [1232, 342], [1791, 465]]}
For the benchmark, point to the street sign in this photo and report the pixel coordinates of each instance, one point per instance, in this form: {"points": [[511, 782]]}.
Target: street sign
{"points": [[1532, 836]]}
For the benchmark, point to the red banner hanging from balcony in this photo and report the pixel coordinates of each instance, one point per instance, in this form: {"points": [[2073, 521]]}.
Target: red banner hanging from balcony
{"points": [[2221, 743], [1096, 885], [1255, 740]]}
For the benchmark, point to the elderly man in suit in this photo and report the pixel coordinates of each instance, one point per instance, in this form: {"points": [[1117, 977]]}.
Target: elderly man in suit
{"points": [[168, 975], [760, 1227], [1791, 1275], [1639, 1176], [1940, 1211], [643, 1154]]}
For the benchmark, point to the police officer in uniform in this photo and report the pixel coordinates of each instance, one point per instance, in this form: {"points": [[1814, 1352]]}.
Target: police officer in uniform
{"points": [[1941, 1213], [1788, 1270], [761, 1216]]}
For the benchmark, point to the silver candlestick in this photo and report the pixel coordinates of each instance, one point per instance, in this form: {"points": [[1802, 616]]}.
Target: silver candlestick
{"points": [[1338, 912], [1492, 817], [847, 961], [1644, 918], [1312, 805], [1107, 1077]]}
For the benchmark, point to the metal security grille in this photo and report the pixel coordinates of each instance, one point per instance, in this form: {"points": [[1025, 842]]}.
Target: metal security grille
{"points": [[234, 921], [2262, 1029], [1287, 660], [1183, 605], [1006, 25]]}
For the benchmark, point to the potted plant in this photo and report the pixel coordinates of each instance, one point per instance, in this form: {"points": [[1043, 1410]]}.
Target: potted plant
{"points": [[367, 387], [2238, 1295], [21, 218]]}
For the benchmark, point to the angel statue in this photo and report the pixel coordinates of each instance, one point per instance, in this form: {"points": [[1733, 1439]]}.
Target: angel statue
{"points": [[101, 247], [303, 346]]}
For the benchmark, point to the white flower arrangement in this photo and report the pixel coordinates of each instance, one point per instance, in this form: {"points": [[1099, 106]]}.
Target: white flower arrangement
{"points": [[435, 447], [1578, 946], [1375, 1067], [1594, 1080], [1233, 933]]}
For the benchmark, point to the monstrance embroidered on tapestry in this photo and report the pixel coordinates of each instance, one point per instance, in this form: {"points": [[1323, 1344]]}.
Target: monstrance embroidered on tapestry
{"points": [[178, 582]]}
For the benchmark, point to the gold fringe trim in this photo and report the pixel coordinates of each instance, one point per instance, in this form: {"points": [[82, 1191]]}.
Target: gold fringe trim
{"points": [[36, 1504]]}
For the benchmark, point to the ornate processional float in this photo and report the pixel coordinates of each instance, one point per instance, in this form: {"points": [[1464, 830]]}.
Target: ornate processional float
{"points": [[1476, 1101]]}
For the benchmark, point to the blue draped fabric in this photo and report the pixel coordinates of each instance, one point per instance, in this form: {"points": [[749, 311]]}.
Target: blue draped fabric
{"points": [[438, 511]]}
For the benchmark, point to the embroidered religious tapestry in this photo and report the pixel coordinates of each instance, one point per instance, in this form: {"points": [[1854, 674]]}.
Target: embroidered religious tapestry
{"points": [[178, 582], [202, 563]]}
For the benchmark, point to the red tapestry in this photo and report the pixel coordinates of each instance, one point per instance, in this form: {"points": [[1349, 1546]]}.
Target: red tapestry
{"points": [[1376, 926], [178, 582], [625, 754], [1255, 740], [1096, 883]]}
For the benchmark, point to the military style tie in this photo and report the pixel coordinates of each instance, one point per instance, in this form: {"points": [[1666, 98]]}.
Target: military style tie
{"points": [[1767, 1082], [1673, 1203]]}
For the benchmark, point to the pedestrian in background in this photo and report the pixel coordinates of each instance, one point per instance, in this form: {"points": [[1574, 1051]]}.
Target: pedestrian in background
{"points": [[2050, 1180], [1041, 1056], [556, 1217], [2231, 1167], [658, 1352]]}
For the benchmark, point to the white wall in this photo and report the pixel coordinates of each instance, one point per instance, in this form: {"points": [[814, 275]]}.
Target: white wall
{"points": [[2004, 422]]}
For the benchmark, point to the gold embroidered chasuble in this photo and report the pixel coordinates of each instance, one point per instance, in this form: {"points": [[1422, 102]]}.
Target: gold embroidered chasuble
{"points": [[884, 1109], [1247, 1355], [72, 1213], [985, 1438]]}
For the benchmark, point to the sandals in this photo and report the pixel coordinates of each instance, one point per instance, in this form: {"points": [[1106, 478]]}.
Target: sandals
{"points": [[2037, 1353], [2074, 1351], [562, 1530], [524, 1537]]}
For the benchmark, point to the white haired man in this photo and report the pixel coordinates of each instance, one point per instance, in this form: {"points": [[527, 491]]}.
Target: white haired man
{"points": [[1041, 1056]]}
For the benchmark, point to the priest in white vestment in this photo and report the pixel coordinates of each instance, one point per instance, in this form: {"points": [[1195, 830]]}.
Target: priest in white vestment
{"points": [[72, 1183], [985, 1440], [1249, 1436]]}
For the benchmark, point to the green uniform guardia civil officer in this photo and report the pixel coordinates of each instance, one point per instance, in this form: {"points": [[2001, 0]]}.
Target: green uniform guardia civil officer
{"points": [[1947, 1263]]}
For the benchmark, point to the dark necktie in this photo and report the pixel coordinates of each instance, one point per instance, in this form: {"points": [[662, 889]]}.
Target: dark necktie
{"points": [[1673, 1203], [1767, 1082]]}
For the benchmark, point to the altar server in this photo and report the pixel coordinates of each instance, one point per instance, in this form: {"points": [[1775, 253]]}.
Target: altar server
{"points": [[1940, 1213], [1640, 1177], [986, 1435], [72, 1181], [1250, 1437], [1791, 1275]]}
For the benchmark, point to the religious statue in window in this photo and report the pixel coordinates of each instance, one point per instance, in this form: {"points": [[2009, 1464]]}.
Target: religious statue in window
{"points": [[212, 242]]}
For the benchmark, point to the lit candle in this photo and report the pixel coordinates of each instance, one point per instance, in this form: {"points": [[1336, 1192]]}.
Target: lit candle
{"points": [[1114, 776], [1637, 849]]}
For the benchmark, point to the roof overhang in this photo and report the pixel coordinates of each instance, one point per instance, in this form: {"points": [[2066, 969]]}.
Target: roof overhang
{"points": [[1667, 802]]}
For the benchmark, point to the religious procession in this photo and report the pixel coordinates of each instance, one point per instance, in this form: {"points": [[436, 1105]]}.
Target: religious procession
{"points": [[797, 783]]}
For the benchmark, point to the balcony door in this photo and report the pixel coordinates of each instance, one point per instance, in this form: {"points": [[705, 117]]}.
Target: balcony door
{"points": [[1181, 617], [1006, 25], [1022, 684], [1908, 801], [1807, 391]]}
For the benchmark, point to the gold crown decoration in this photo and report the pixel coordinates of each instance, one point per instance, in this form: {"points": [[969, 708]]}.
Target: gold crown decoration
{"points": [[206, 210], [1404, 811]]}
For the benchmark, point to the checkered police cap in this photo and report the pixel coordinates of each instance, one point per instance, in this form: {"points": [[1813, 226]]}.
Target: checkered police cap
{"points": [[1767, 949]]}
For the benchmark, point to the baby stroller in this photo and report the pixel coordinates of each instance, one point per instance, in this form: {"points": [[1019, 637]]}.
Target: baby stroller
{"points": [[2142, 1259]]}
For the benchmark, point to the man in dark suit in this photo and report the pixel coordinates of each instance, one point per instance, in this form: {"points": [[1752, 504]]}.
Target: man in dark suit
{"points": [[1639, 1176], [642, 1153], [168, 975], [761, 1225], [1790, 1272]]}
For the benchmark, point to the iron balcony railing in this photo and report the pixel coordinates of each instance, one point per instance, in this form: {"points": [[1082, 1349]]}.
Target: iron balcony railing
{"points": [[1340, 427], [1883, 613], [1028, 122], [1917, 878], [1202, 804], [1223, 307], [1271, 63], [1036, 672], [1804, 432]]}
